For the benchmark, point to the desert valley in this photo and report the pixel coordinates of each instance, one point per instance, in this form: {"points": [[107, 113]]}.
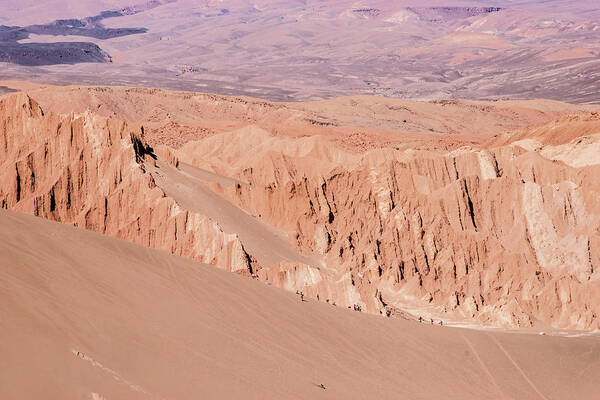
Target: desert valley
{"points": [[294, 234]]}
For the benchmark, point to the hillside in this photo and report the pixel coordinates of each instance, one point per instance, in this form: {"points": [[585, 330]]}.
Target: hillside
{"points": [[108, 319]]}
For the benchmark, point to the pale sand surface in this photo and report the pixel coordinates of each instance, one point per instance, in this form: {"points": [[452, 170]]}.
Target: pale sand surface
{"points": [[267, 244], [85, 316]]}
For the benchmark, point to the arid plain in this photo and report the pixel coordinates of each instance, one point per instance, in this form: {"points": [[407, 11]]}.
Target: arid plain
{"points": [[304, 50], [319, 241]]}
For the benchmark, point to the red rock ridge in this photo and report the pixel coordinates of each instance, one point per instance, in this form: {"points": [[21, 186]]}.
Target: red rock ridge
{"points": [[87, 171], [506, 235]]}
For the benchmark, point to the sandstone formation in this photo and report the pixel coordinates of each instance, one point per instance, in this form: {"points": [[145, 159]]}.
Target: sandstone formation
{"points": [[492, 222], [300, 199], [89, 171], [506, 234]]}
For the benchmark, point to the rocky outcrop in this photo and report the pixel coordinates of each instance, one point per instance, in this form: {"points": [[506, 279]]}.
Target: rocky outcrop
{"points": [[90, 172], [503, 235]]}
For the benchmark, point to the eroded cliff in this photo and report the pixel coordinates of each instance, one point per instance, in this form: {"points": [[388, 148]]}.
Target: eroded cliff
{"points": [[89, 171], [504, 232]]}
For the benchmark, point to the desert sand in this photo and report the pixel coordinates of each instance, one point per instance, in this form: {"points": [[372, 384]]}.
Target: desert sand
{"points": [[107, 319], [299, 199]]}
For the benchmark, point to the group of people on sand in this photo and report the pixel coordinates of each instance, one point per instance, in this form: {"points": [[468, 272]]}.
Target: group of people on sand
{"points": [[355, 307], [301, 294], [430, 320]]}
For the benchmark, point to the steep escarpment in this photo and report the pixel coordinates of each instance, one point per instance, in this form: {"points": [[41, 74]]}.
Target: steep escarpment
{"points": [[505, 235], [90, 172], [500, 233]]}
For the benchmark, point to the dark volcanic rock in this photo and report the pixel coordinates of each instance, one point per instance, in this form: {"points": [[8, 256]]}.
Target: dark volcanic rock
{"points": [[79, 28], [5, 89], [12, 33], [33, 54], [52, 53]]}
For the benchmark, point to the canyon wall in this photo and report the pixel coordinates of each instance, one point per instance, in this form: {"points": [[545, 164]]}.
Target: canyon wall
{"points": [[89, 171], [505, 234], [502, 233]]}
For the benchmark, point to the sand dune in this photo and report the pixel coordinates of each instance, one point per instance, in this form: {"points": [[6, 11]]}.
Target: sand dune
{"points": [[108, 319], [267, 244]]}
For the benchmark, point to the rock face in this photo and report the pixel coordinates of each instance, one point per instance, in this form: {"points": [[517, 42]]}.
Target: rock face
{"points": [[89, 171], [503, 231], [503, 234]]}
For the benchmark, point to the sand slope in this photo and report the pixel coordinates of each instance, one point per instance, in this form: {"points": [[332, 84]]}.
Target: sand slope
{"points": [[268, 245], [109, 319]]}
